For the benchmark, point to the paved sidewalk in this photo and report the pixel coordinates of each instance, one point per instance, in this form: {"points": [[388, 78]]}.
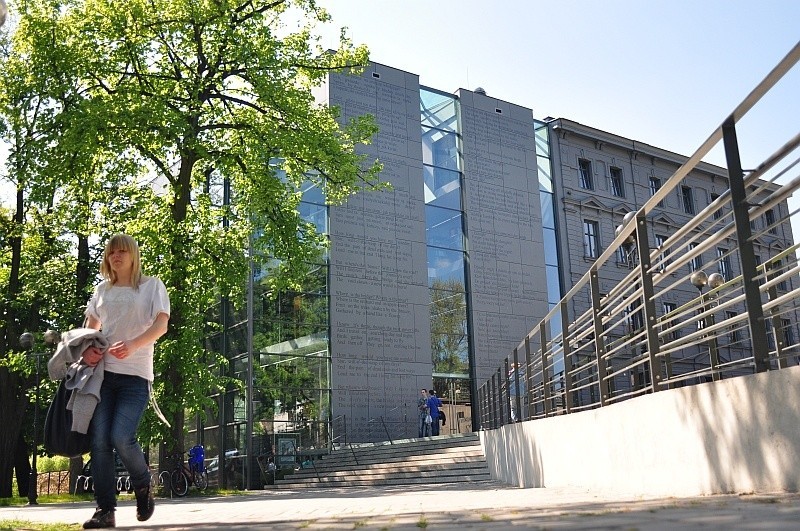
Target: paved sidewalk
{"points": [[475, 506]]}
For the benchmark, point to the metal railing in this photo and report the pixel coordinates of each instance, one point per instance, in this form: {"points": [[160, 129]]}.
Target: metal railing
{"points": [[716, 299]]}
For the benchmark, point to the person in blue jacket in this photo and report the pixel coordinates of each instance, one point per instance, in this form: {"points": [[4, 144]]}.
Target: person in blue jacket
{"points": [[434, 403]]}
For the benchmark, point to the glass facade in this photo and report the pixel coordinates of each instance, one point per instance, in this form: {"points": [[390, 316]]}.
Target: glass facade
{"points": [[288, 333], [290, 392], [552, 257], [445, 237]]}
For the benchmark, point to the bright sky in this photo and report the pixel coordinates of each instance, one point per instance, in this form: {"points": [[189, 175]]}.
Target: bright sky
{"points": [[664, 72]]}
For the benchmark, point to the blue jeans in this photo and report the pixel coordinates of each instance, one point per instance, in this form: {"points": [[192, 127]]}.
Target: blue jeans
{"points": [[123, 399], [424, 428]]}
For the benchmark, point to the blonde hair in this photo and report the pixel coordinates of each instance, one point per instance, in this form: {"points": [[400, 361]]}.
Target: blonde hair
{"points": [[126, 243]]}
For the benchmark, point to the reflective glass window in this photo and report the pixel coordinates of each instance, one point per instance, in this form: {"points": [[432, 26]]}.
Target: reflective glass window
{"points": [[449, 340], [442, 187], [312, 193], [542, 141], [553, 287], [316, 214], [443, 227], [445, 266], [546, 202], [439, 148], [437, 110], [545, 179], [550, 248]]}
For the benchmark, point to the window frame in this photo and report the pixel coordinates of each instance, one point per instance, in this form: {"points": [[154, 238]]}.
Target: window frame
{"points": [[585, 174], [591, 238], [617, 181]]}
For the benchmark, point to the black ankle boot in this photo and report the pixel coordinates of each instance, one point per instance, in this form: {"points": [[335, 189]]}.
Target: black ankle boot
{"points": [[102, 518], [145, 504]]}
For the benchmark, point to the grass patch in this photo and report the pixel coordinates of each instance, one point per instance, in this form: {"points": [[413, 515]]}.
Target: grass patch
{"points": [[12, 525], [45, 499], [360, 523], [486, 518], [423, 522]]}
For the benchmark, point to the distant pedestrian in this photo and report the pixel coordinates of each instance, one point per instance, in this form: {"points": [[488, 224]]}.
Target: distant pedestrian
{"points": [[433, 406], [423, 414]]}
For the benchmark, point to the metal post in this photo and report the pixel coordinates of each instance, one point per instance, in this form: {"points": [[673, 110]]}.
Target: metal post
{"points": [[650, 319], [545, 379], [567, 355], [507, 404], [492, 401], [528, 379], [755, 311], [772, 291], [599, 343], [33, 482], [713, 349], [516, 386], [501, 402]]}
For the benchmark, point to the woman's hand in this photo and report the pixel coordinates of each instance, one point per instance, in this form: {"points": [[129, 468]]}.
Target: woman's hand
{"points": [[121, 349], [92, 356]]}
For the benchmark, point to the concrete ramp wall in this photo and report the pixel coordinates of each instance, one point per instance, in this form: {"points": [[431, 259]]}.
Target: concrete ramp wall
{"points": [[734, 436]]}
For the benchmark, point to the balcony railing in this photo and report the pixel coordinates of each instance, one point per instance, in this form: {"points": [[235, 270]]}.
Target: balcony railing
{"points": [[716, 299]]}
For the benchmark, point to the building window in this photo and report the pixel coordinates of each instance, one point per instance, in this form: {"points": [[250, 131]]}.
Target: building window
{"points": [[733, 331], [688, 199], [696, 262], [718, 212], [617, 184], [622, 255], [591, 242], [670, 307], [760, 274], [788, 332], [769, 221], [663, 259], [585, 170], [724, 263], [655, 186], [778, 268]]}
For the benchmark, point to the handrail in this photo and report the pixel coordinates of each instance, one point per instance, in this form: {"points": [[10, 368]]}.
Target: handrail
{"points": [[593, 349]]}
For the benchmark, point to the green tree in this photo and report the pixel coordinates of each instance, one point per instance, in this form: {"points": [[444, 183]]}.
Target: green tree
{"points": [[163, 99], [449, 327]]}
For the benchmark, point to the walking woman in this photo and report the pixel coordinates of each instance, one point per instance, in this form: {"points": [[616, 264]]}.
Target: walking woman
{"points": [[132, 311]]}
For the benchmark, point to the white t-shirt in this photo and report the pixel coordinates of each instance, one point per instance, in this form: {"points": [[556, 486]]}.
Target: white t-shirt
{"points": [[125, 313]]}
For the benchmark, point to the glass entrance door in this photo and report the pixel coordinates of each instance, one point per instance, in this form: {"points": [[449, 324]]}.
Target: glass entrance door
{"points": [[453, 390]]}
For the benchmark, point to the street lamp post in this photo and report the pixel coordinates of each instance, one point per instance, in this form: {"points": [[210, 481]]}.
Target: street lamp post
{"points": [[26, 341], [700, 280]]}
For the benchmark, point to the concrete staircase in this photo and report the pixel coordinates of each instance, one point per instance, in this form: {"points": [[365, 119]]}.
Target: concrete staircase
{"points": [[432, 460]]}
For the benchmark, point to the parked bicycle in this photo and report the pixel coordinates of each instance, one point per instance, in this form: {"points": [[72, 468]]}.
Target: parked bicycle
{"points": [[183, 475]]}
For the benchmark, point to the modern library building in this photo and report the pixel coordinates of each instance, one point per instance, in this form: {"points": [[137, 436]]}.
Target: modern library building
{"points": [[491, 216]]}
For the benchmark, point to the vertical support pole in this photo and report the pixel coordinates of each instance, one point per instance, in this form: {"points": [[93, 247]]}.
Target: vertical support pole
{"points": [[567, 359], [500, 400], [481, 408], [507, 401], [493, 401], [528, 379], [545, 373], [599, 343], [755, 311], [713, 348], [520, 416], [772, 291], [648, 302]]}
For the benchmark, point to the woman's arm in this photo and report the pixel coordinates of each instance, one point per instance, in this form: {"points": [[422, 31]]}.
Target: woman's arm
{"points": [[121, 349]]}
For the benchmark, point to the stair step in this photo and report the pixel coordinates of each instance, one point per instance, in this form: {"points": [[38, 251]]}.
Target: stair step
{"points": [[394, 469], [420, 480], [444, 459]]}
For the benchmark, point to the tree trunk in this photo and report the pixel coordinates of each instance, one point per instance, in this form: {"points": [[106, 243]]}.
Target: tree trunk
{"points": [[11, 397]]}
